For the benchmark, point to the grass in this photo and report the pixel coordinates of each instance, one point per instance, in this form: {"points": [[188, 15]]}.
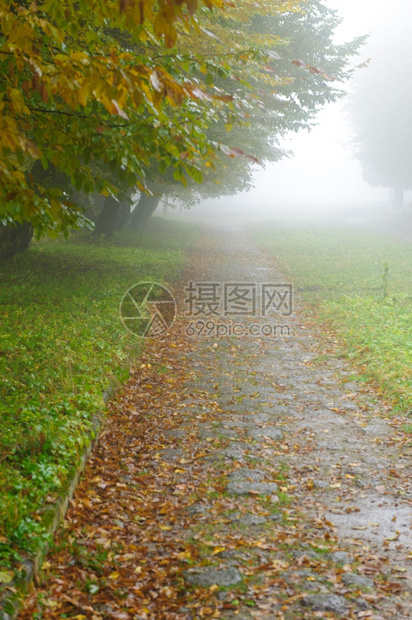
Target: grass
{"points": [[358, 285], [61, 345]]}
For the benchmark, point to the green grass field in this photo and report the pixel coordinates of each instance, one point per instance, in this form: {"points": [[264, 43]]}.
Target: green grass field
{"points": [[359, 285], [61, 345]]}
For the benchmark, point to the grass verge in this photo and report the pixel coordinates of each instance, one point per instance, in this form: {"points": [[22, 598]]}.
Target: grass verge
{"points": [[61, 344], [359, 285]]}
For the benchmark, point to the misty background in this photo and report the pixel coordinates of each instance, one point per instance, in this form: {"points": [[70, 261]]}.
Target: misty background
{"points": [[323, 175]]}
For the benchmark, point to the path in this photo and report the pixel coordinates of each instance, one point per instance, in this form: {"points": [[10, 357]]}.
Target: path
{"points": [[239, 478]]}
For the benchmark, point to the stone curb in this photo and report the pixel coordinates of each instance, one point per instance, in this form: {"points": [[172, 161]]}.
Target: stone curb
{"points": [[11, 602]]}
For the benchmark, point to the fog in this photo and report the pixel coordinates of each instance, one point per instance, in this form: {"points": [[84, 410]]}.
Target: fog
{"points": [[324, 172]]}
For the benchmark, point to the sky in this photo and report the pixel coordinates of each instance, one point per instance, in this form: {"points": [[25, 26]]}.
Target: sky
{"points": [[324, 169]]}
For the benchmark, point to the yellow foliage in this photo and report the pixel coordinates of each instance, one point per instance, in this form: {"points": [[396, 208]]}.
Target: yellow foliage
{"points": [[74, 70]]}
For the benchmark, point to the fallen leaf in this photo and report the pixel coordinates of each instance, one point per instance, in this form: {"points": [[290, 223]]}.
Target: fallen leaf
{"points": [[360, 527]]}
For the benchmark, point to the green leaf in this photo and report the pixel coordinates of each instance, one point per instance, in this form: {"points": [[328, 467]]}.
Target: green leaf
{"points": [[6, 576], [162, 166]]}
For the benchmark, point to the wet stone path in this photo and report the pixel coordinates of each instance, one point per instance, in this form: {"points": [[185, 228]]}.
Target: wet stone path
{"points": [[253, 479], [302, 449]]}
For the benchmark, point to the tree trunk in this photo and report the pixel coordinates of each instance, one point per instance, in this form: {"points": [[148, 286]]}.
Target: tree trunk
{"points": [[107, 219], [15, 239], [84, 201], [123, 215], [399, 197], [143, 210], [98, 201]]}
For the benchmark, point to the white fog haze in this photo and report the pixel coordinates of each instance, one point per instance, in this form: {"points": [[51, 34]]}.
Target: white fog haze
{"points": [[323, 170]]}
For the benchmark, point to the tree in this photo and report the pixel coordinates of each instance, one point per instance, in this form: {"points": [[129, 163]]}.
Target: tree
{"points": [[381, 109], [304, 70], [80, 87], [101, 97], [15, 238]]}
